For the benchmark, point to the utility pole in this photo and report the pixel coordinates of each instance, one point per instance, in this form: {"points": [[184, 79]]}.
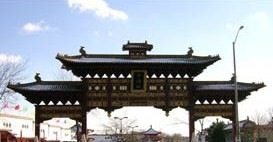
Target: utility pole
{"points": [[237, 128]]}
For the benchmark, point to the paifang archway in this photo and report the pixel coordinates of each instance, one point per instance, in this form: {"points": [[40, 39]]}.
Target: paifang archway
{"points": [[111, 81]]}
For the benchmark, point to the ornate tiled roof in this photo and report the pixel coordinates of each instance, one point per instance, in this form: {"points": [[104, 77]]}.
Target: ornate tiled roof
{"points": [[84, 64], [202, 90], [151, 59], [123, 64], [151, 131], [222, 90], [243, 124], [48, 86], [225, 86], [49, 91], [137, 46], [75, 86]]}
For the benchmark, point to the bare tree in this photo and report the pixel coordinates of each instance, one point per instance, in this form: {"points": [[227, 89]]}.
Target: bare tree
{"points": [[173, 138], [260, 120], [119, 132], [270, 115], [10, 71], [63, 75], [270, 123]]}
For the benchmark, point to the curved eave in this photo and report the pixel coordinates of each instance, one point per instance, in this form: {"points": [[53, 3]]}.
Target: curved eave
{"points": [[49, 91], [47, 86], [151, 131], [171, 63], [226, 86], [125, 59], [208, 90]]}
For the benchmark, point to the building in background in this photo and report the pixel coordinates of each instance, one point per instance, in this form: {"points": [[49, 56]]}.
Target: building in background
{"points": [[247, 131], [6, 136], [151, 135], [22, 127], [264, 133], [19, 126], [251, 131], [55, 132]]}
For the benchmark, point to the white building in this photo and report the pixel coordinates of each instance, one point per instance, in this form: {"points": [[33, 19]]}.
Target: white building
{"points": [[22, 126], [50, 131], [18, 125]]}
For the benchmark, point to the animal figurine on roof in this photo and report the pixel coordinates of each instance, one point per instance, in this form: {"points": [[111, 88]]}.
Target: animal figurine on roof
{"points": [[190, 52], [37, 77], [82, 51]]}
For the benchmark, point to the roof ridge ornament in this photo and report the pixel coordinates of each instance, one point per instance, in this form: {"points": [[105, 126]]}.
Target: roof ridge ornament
{"points": [[137, 49], [37, 77], [82, 51], [190, 52], [232, 78]]}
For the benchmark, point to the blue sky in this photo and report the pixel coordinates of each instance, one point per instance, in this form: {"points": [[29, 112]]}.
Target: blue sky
{"points": [[37, 30]]}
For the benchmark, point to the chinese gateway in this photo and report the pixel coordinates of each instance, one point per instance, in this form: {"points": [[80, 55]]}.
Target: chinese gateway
{"points": [[111, 81]]}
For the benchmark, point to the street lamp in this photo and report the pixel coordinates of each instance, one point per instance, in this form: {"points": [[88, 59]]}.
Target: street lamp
{"points": [[132, 127], [132, 137], [237, 128], [120, 119]]}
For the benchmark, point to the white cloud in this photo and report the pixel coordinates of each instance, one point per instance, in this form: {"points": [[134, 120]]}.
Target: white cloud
{"points": [[261, 18], [230, 27], [103, 33], [110, 33], [35, 27], [4, 58], [258, 20], [100, 7], [96, 33]]}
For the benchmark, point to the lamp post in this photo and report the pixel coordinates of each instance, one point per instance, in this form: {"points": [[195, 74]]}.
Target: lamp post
{"points": [[120, 119], [132, 127], [132, 137], [237, 128]]}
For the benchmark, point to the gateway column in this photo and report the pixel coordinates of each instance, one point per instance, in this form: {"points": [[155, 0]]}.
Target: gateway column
{"points": [[83, 103], [37, 121]]}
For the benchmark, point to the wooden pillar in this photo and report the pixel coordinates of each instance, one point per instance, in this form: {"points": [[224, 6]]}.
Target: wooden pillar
{"points": [[84, 123], [83, 117], [77, 131], [167, 96], [191, 111], [83, 103], [233, 131], [37, 121], [109, 89], [191, 125], [234, 125]]}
